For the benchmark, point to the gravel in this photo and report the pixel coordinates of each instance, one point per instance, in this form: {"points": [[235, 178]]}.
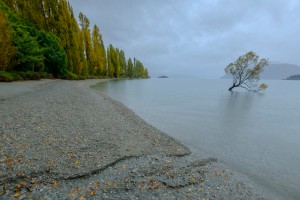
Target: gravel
{"points": [[62, 140]]}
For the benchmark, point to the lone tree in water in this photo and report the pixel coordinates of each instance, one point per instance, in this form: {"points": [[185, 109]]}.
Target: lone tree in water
{"points": [[246, 71]]}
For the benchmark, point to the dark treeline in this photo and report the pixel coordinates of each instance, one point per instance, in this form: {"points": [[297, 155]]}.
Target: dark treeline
{"points": [[44, 37]]}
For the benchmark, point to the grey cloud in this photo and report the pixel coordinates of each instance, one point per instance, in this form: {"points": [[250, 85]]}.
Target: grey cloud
{"points": [[197, 37]]}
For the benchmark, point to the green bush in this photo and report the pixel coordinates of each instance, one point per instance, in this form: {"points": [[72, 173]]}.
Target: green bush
{"points": [[70, 76], [6, 76]]}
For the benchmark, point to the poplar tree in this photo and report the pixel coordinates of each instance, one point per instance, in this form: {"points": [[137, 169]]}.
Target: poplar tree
{"points": [[77, 46], [7, 49], [99, 52], [116, 62], [129, 72], [82, 67], [139, 71], [113, 62], [85, 27], [110, 66], [123, 64]]}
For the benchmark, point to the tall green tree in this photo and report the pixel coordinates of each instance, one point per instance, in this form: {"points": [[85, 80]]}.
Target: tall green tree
{"points": [[110, 61], [77, 46], [123, 64], [129, 72], [113, 62], [116, 62], [29, 55], [99, 52], [88, 47], [55, 58]]}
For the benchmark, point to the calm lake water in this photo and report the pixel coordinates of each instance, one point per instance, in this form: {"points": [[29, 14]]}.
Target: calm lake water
{"points": [[256, 134]]}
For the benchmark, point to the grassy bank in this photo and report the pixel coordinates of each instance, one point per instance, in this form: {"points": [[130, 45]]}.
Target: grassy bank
{"points": [[18, 76], [6, 76]]}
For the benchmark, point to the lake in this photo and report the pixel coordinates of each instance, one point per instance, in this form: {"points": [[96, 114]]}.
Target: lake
{"points": [[255, 134]]}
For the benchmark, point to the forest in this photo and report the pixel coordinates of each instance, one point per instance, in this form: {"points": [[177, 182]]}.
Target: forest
{"points": [[43, 39]]}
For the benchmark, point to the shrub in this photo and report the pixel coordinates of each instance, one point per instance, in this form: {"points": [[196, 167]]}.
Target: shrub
{"points": [[6, 76]]}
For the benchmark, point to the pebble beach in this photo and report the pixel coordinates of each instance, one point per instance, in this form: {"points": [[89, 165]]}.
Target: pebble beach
{"points": [[61, 139]]}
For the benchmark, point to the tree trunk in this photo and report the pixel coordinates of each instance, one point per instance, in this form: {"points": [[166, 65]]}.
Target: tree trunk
{"points": [[233, 86]]}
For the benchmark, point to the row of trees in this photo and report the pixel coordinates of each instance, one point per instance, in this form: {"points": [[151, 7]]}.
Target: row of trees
{"points": [[43, 35], [118, 66]]}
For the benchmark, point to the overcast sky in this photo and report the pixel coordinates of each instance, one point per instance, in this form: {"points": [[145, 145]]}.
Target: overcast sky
{"points": [[197, 37]]}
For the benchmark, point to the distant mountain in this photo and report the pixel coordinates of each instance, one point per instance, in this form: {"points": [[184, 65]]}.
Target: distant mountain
{"points": [[276, 71], [295, 77]]}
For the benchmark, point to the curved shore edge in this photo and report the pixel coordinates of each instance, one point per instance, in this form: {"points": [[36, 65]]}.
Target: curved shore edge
{"points": [[61, 139]]}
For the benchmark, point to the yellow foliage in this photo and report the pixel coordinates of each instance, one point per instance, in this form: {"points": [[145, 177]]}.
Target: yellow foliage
{"points": [[124, 166], [263, 86], [7, 49], [17, 194], [107, 183], [93, 193]]}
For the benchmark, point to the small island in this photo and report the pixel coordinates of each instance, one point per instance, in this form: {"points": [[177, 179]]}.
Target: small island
{"points": [[163, 77]]}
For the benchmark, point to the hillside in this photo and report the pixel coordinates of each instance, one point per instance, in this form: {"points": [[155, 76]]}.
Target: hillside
{"points": [[295, 77], [277, 71]]}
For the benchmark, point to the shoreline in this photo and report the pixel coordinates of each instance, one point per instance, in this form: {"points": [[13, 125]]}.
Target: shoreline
{"points": [[63, 139]]}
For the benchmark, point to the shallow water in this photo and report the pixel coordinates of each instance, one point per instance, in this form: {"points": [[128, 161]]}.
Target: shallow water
{"points": [[256, 134]]}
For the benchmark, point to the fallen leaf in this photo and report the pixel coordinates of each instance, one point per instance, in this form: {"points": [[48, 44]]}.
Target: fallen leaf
{"points": [[8, 162], [22, 184], [107, 183], [124, 166], [142, 186], [54, 183], [4, 191], [169, 166], [93, 193], [76, 162], [33, 181], [97, 184], [17, 194]]}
